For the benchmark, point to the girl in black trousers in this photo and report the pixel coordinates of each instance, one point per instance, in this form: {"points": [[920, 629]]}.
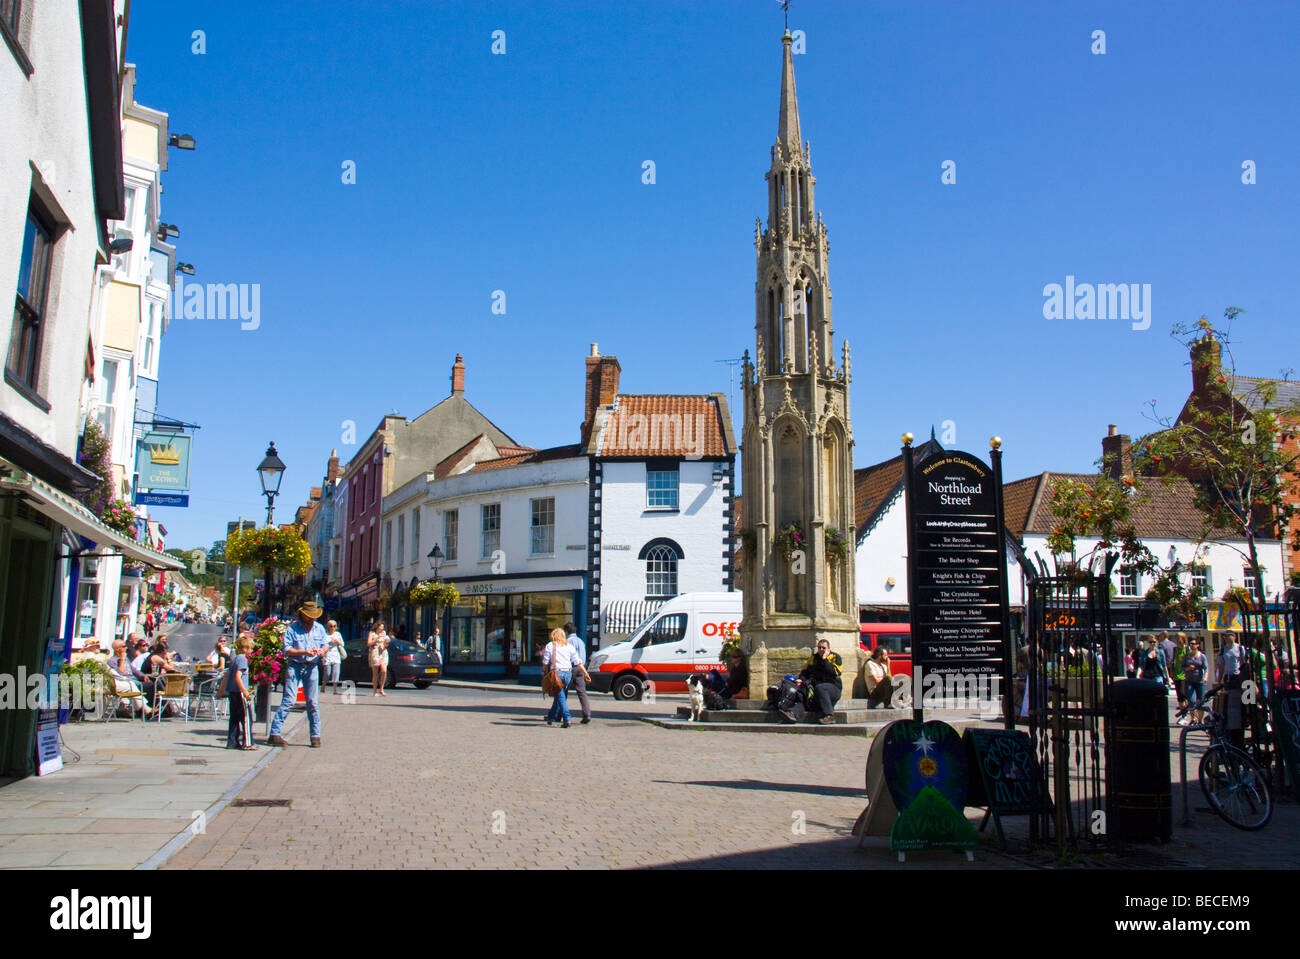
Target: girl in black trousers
{"points": [[238, 733]]}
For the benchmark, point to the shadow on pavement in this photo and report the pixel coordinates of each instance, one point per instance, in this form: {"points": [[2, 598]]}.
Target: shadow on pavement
{"points": [[538, 711], [769, 787]]}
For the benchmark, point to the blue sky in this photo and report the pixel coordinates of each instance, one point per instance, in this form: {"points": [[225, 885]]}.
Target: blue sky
{"points": [[478, 172]]}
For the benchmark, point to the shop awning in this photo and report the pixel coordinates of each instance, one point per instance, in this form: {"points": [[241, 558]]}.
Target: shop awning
{"points": [[627, 615], [69, 513]]}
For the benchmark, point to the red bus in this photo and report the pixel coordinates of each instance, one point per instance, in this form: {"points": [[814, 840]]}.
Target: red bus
{"points": [[895, 637]]}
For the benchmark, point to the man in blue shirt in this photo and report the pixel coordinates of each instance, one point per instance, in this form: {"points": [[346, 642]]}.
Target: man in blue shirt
{"points": [[579, 681], [305, 643]]}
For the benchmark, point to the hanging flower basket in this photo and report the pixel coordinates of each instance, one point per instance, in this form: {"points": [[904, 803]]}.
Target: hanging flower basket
{"points": [[120, 517], [434, 594], [837, 544], [281, 549], [788, 540]]}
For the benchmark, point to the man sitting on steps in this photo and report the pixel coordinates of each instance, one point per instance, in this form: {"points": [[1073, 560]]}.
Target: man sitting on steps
{"points": [[822, 674]]}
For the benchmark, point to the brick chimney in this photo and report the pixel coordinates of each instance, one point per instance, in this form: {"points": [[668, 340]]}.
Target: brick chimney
{"points": [[1207, 355], [602, 386], [458, 376], [333, 470], [1116, 453]]}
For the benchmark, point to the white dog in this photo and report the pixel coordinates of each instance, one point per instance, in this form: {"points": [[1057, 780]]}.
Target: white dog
{"points": [[695, 687]]}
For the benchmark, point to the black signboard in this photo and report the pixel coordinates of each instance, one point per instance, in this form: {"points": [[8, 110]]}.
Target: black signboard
{"points": [[956, 564], [1004, 775]]}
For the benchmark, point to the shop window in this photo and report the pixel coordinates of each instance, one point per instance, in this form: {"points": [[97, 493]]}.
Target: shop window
{"points": [[542, 527]]}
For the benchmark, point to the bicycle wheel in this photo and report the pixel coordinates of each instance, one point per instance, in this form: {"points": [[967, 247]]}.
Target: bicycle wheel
{"points": [[1236, 787]]}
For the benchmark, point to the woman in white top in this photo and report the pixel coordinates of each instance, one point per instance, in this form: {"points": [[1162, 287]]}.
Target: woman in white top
{"points": [[377, 642], [566, 659], [333, 655]]}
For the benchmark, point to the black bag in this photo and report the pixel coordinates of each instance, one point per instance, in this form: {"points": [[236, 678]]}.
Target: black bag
{"points": [[713, 701]]}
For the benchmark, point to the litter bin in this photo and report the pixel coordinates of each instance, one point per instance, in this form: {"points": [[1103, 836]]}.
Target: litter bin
{"points": [[1139, 798]]}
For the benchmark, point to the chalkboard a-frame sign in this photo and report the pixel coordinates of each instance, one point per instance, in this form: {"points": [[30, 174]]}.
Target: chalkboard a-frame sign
{"points": [[1004, 774]]}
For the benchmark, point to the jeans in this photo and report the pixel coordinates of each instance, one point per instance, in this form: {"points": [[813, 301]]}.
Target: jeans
{"points": [[332, 673], [560, 707], [1195, 690], [580, 687], [293, 676], [826, 695]]}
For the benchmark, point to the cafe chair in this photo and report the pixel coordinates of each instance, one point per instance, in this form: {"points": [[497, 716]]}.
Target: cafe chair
{"points": [[113, 699], [174, 688], [206, 684]]}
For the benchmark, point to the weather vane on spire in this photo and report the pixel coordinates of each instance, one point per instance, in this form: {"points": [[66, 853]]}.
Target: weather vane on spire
{"points": [[785, 5]]}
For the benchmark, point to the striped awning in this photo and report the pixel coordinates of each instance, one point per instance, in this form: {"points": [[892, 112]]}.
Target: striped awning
{"points": [[72, 515], [625, 616]]}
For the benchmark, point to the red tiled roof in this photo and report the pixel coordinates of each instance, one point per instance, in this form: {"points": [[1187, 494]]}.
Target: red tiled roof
{"points": [[666, 425], [1160, 510], [872, 485], [532, 456], [454, 462]]}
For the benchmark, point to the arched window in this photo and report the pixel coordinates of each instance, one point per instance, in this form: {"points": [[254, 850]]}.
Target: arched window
{"points": [[661, 557]]}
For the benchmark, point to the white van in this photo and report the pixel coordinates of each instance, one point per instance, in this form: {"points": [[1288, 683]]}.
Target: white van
{"points": [[684, 636]]}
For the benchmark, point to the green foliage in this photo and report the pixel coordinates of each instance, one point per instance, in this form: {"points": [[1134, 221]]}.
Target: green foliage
{"points": [[438, 594], [1101, 508], [1176, 601], [837, 544], [271, 546], [96, 456], [1226, 445], [788, 540]]}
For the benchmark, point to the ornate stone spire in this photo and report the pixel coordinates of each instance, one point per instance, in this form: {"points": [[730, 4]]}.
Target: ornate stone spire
{"points": [[787, 133]]}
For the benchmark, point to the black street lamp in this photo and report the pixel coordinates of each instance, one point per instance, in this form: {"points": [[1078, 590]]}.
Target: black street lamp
{"points": [[435, 561], [270, 471]]}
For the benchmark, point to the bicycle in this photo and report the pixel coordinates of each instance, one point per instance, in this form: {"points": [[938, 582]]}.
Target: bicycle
{"points": [[1235, 786]]}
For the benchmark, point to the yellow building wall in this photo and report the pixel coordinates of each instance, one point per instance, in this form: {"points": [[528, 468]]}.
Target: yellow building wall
{"points": [[122, 324], [140, 140]]}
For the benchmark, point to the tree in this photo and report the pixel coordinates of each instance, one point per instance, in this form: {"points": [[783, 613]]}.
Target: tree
{"points": [[1226, 443]]}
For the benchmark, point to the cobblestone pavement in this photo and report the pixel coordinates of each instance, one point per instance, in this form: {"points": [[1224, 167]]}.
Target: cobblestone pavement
{"points": [[461, 778]]}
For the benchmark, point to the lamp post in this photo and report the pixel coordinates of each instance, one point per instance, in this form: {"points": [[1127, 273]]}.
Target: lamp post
{"points": [[270, 471], [435, 562]]}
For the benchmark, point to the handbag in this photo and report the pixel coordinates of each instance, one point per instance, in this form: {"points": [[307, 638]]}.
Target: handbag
{"points": [[551, 684]]}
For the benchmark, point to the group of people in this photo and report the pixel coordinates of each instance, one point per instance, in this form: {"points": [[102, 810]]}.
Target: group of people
{"points": [[137, 665], [566, 654]]}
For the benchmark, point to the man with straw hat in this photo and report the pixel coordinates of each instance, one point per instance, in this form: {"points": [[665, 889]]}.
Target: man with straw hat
{"points": [[305, 642]]}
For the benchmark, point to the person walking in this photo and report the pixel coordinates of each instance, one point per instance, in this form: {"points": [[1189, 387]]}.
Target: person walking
{"points": [[1151, 663], [1176, 668], [238, 734], [560, 654], [377, 642], [333, 655], [1195, 667], [579, 675], [304, 645]]}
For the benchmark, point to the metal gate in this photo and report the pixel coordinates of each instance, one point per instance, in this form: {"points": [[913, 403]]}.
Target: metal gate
{"points": [[1071, 657], [1269, 671]]}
